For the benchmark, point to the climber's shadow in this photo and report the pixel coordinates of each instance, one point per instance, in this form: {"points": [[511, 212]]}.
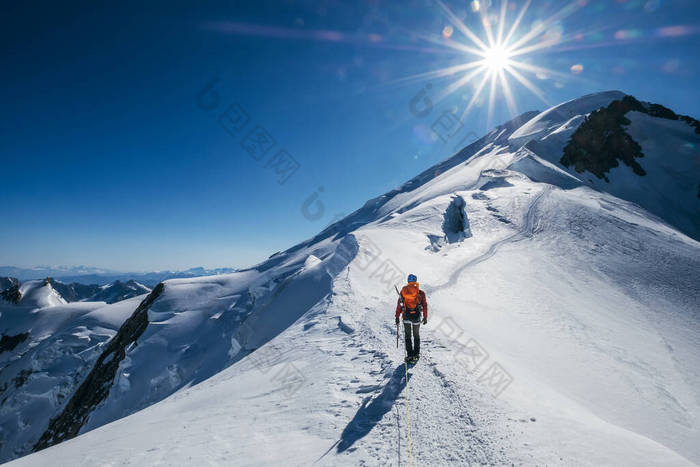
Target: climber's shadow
{"points": [[372, 410]]}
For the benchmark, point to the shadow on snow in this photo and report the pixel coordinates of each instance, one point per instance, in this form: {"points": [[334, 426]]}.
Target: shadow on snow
{"points": [[370, 413]]}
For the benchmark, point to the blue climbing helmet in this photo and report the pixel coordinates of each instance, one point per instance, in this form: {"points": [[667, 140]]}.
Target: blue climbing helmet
{"points": [[412, 278]]}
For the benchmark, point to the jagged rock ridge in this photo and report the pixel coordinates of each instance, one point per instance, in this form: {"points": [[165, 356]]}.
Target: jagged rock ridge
{"points": [[98, 383]]}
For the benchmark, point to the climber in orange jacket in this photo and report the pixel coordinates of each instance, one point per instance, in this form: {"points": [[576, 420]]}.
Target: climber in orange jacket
{"points": [[412, 304]]}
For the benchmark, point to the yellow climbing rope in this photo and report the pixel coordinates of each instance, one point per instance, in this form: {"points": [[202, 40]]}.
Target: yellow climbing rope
{"points": [[408, 400]]}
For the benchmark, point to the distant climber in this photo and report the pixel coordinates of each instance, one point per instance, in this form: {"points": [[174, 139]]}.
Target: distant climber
{"points": [[412, 304]]}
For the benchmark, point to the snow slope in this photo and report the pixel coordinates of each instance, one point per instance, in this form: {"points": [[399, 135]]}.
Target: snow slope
{"points": [[39, 293], [53, 348], [564, 329], [560, 118], [670, 188]]}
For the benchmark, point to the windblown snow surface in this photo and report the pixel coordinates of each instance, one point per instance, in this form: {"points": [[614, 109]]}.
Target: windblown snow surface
{"points": [[564, 329], [49, 347]]}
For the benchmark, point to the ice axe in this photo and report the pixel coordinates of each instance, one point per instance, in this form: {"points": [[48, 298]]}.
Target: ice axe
{"points": [[403, 308]]}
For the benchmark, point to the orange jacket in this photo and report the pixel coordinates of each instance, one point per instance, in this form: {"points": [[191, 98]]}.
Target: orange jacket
{"points": [[423, 302]]}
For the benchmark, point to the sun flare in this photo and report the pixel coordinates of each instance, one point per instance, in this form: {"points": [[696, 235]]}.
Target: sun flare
{"points": [[496, 58]]}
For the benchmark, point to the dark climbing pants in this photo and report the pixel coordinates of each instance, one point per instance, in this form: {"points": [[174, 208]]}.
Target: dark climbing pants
{"points": [[412, 345]]}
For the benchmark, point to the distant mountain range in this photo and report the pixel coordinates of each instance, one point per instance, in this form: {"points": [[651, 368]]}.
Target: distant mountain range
{"points": [[109, 293], [90, 275], [17, 292]]}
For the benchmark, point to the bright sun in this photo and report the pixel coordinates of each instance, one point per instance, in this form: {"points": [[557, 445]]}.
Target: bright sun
{"points": [[496, 58], [499, 54]]}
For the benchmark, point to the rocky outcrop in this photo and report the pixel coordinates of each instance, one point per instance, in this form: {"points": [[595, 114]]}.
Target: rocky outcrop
{"points": [[75, 292], [601, 141], [8, 343], [7, 282], [98, 383], [118, 291], [112, 293], [12, 294]]}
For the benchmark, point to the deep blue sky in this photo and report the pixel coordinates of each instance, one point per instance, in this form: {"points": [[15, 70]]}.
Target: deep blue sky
{"points": [[108, 160]]}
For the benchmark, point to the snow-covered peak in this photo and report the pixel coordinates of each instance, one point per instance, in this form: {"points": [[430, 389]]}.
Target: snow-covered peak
{"points": [[556, 116], [118, 290], [39, 294], [402, 197]]}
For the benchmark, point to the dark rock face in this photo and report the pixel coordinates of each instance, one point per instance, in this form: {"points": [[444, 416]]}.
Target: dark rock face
{"points": [[98, 383], [12, 294], [601, 141], [119, 291], [22, 377], [113, 293], [8, 343], [75, 292], [8, 282], [692, 122]]}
